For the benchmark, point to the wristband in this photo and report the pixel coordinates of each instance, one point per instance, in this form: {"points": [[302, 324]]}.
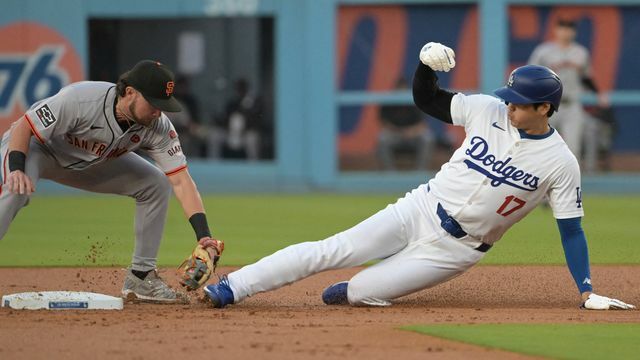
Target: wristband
{"points": [[199, 223], [17, 160]]}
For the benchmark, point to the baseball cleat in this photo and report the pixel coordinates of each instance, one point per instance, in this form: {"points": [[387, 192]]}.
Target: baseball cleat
{"points": [[336, 294], [152, 290], [220, 294]]}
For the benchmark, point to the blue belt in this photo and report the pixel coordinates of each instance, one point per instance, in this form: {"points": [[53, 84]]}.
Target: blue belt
{"points": [[451, 226]]}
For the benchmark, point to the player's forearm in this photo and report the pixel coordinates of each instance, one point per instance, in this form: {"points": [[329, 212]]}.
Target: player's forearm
{"points": [[20, 136], [187, 193], [576, 253], [189, 197], [17, 181], [428, 96]]}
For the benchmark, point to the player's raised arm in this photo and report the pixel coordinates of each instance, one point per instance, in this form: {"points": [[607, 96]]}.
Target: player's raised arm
{"points": [[427, 95], [18, 181]]}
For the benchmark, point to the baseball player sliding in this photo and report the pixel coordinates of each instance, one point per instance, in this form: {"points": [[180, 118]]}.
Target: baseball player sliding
{"points": [[85, 137], [509, 161]]}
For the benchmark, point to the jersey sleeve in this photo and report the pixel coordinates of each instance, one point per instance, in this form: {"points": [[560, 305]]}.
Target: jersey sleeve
{"points": [[465, 108], [565, 194], [53, 116], [164, 147]]}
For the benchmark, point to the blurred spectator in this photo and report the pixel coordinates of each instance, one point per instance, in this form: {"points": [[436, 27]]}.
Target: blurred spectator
{"points": [[404, 130], [237, 133], [187, 122], [570, 61]]}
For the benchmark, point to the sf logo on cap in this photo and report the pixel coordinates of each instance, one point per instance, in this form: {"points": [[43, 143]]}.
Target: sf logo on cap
{"points": [[169, 89]]}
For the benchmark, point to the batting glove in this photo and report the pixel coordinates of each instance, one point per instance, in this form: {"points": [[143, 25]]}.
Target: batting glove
{"points": [[597, 302], [438, 57]]}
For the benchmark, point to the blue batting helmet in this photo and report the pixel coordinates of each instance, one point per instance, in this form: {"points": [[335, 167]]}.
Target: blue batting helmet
{"points": [[532, 84]]}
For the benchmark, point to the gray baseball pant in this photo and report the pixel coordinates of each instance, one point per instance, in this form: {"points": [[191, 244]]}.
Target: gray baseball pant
{"points": [[129, 175]]}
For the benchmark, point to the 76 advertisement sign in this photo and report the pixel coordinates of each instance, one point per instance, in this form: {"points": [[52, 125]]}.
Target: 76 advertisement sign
{"points": [[35, 62]]}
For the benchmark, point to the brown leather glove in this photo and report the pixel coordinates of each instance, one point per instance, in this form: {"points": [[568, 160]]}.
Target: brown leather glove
{"points": [[196, 270]]}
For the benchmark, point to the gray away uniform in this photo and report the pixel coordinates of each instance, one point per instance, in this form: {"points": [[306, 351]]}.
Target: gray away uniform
{"points": [[78, 142], [571, 64]]}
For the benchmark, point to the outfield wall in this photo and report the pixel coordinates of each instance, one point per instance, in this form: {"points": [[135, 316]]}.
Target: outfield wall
{"points": [[327, 84]]}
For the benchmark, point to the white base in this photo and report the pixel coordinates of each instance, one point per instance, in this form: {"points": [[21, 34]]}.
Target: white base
{"points": [[62, 300]]}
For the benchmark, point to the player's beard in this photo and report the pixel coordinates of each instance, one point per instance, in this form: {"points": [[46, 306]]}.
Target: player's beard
{"points": [[137, 120]]}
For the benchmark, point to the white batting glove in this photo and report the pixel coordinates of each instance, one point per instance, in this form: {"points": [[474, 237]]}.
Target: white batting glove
{"points": [[597, 302], [438, 57]]}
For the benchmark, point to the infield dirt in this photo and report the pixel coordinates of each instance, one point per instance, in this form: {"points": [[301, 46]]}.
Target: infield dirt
{"points": [[292, 322]]}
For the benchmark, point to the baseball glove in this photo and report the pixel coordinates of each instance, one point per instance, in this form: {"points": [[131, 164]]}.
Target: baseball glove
{"points": [[196, 270]]}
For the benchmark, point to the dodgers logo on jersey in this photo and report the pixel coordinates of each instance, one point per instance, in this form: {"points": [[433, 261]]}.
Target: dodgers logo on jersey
{"points": [[499, 171]]}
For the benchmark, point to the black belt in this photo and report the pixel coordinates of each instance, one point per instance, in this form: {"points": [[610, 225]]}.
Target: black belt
{"points": [[451, 226]]}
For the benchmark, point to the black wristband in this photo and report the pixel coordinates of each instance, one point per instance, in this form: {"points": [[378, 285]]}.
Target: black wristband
{"points": [[17, 160], [199, 223]]}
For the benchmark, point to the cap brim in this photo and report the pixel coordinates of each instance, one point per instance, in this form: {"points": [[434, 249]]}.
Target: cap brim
{"points": [[167, 105], [509, 95]]}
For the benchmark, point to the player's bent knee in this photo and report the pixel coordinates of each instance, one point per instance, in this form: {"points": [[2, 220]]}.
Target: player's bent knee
{"points": [[164, 186], [157, 186], [11, 204], [16, 201]]}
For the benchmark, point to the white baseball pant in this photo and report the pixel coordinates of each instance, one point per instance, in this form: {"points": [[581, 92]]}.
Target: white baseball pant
{"points": [[416, 254]]}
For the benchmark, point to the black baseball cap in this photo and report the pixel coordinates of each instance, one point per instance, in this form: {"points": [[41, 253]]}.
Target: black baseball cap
{"points": [[155, 82]]}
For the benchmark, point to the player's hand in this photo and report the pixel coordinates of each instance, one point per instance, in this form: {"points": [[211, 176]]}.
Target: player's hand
{"points": [[19, 183], [214, 247], [438, 57], [597, 302]]}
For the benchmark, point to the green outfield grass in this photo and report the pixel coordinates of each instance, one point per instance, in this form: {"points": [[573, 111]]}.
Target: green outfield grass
{"points": [[98, 230], [579, 341]]}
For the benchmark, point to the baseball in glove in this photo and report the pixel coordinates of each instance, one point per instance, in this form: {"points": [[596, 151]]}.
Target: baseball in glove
{"points": [[196, 270]]}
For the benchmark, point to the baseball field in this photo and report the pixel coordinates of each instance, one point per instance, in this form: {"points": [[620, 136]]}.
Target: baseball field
{"points": [[520, 302]]}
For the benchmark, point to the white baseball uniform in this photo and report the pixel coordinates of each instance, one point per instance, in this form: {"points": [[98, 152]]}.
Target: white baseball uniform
{"points": [[437, 231], [78, 142]]}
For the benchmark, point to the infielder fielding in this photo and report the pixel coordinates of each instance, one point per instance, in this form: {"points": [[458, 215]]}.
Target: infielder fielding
{"points": [[510, 160], [85, 137]]}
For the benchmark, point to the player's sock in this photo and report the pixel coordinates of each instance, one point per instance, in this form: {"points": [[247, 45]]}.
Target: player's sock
{"points": [[140, 274]]}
